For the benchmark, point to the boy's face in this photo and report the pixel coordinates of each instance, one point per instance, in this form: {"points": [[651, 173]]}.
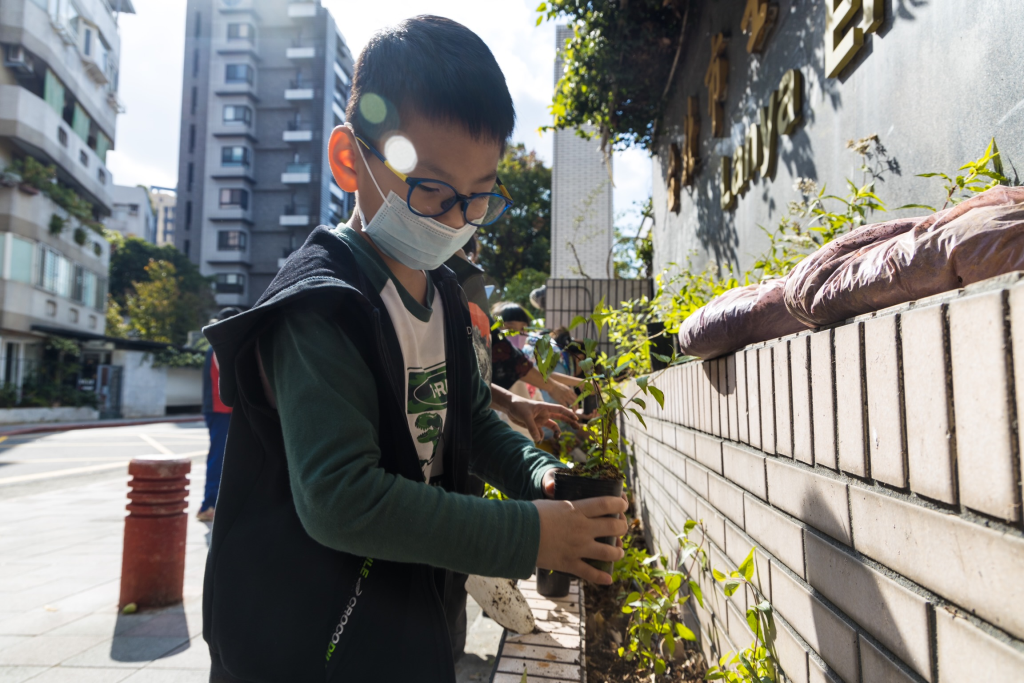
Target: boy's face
{"points": [[443, 151]]}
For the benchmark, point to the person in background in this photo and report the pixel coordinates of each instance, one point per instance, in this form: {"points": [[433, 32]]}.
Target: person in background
{"points": [[217, 416]]}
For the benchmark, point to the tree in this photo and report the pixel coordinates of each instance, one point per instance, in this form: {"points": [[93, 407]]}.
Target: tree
{"points": [[633, 250], [132, 266], [522, 237]]}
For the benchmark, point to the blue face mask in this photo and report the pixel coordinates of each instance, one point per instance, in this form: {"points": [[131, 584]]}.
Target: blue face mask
{"points": [[414, 241]]}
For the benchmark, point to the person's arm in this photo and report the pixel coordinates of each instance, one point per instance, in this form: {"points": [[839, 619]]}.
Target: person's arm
{"points": [[558, 391], [567, 380], [327, 402], [532, 415]]}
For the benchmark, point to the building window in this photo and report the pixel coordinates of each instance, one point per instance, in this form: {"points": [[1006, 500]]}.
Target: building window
{"points": [[234, 113], [54, 272], [195, 62], [192, 137], [191, 174], [51, 308], [78, 284], [101, 176], [188, 247], [188, 215], [133, 209], [195, 98], [230, 198], [22, 252], [230, 283], [241, 32], [90, 290], [62, 136], [73, 315], [238, 73], [234, 156], [83, 157], [199, 23], [231, 240]]}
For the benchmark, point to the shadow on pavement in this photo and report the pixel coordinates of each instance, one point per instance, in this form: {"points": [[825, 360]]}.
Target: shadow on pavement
{"points": [[149, 634]]}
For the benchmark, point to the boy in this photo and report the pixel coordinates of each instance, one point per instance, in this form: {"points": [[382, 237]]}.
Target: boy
{"points": [[359, 412]]}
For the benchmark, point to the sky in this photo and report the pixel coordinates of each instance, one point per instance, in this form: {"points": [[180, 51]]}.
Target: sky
{"points": [[152, 49]]}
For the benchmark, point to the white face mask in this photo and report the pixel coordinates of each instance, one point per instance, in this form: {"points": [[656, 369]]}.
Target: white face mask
{"points": [[414, 241]]}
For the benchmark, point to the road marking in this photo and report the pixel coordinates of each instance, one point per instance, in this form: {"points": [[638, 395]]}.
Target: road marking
{"points": [[82, 470], [156, 444]]}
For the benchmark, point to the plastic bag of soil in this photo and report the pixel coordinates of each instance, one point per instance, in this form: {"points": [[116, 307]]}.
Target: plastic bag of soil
{"points": [[741, 316], [890, 263]]}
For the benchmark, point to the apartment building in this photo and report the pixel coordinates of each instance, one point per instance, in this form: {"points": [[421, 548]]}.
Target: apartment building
{"points": [[132, 213], [58, 106], [265, 82], [165, 202]]}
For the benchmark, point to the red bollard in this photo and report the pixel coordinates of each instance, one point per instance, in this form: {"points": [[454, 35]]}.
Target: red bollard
{"points": [[153, 559]]}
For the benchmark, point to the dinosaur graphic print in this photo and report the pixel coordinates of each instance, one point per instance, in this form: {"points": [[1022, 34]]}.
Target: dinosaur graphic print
{"points": [[427, 404]]}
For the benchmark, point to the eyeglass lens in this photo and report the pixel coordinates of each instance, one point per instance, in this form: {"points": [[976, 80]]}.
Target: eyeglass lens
{"points": [[431, 198]]}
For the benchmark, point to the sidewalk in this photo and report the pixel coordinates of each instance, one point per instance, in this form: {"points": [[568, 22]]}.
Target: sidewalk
{"points": [[40, 427]]}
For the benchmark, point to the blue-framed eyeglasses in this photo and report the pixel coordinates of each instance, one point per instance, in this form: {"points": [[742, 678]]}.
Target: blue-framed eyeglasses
{"points": [[432, 198]]}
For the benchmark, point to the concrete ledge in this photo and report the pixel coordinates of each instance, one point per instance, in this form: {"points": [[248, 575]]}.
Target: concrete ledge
{"points": [[15, 416]]}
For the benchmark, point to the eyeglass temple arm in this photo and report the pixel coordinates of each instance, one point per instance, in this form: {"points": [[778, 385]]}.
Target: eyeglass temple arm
{"points": [[380, 156]]}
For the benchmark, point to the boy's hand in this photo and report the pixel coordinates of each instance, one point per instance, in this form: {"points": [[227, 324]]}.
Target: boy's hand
{"points": [[536, 415], [568, 530], [548, 486]]}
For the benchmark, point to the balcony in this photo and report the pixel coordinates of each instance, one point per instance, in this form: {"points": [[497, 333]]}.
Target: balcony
{"points": [[297, 174], [30, 121], [300, 53], [298, 135], [295, 216], [298, 94], [301, 10]]}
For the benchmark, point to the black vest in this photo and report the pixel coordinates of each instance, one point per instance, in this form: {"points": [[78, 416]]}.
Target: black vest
{"points": [[277, 605]]}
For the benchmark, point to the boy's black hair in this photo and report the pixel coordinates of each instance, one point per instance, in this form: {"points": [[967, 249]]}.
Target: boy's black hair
{"points": [[511, 312], [433, 67], [471, 247]]}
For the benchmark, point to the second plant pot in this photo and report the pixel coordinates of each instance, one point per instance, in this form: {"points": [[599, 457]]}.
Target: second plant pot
{"points": [[552, 584], [572, 487]]}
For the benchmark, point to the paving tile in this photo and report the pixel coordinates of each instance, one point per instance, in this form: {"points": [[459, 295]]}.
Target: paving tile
{"points": [[884, 404], [800, 393], [168, 676], [966, 653], [7, 641], [753, 397], [46, 650], [742, 414], [850, 400], [62, 674], [914, 541], [552, 654], [783, 400], [126, 651], [822, 628], [37, 621], [195, 654], [767, 401], [560, 670], [988, 477], [877, 667], [813, 498], [928, 402], [18, 674], [894, 615]]}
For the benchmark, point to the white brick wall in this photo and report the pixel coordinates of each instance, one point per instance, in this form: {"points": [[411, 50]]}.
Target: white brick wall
{"points": [[877, 468]]}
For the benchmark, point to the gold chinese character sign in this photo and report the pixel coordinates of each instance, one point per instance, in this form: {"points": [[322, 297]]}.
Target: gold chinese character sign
{"points": [[716, 79], [758, 18], [843, 40]]}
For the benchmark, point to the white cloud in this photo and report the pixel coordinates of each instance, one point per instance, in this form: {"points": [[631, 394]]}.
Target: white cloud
{"points": [[152, 64]]}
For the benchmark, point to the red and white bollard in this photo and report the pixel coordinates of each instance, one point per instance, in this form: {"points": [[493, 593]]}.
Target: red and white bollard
{"points": [[153, 559]]}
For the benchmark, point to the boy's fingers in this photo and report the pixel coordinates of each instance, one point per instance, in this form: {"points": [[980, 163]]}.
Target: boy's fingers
{"points": [[607, 526], [603, 552], [591, 574], [601, 506]]}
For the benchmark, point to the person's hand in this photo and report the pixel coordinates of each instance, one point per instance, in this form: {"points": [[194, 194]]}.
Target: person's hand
{"points": [[561, 393], [548, 483], [568, 533], [536, 415]]}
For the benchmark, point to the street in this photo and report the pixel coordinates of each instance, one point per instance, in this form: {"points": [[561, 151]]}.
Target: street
{"points": [[62, 508]]}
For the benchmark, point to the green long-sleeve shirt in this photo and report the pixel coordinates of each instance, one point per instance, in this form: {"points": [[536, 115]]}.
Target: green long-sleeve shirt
{"points": [[327, 400]]}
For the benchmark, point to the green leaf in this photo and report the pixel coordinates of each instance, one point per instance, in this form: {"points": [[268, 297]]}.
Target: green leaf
{"points": [[685, 633], [689, 526], [578, 320], [673, 582], [695, 589], [658, 395], [639, 417], [539, 20], [719, 576], [752, 621], [524, 679], [730, 586], [632, 597], [650, 560], [542, 7], [746, 567], [659, 667], [640, 402]]}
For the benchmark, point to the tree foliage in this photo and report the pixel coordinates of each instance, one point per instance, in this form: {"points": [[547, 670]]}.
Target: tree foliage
{"points": [[140, 273], [617, 64], [521, 239]]}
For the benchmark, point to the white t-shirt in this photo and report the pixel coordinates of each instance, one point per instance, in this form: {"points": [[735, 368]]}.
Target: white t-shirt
{"points": [[426, 376]]}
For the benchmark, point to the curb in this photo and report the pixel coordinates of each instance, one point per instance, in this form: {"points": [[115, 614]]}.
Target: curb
{"points": [[70, 426]]}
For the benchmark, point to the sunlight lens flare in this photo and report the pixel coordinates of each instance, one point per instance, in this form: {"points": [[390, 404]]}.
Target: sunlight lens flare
{"points": [[400, 153]]}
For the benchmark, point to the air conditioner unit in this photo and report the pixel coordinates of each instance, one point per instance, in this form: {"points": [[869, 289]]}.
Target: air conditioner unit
{"points": [[17, 59]]}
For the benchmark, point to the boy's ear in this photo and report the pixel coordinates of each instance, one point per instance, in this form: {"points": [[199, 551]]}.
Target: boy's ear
{"points": [[342, 154]]}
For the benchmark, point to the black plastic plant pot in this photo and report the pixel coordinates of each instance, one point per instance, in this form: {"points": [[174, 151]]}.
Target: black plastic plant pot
{"points": [[570, 487], [664, 345], [552, 584], [589, 404]]}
